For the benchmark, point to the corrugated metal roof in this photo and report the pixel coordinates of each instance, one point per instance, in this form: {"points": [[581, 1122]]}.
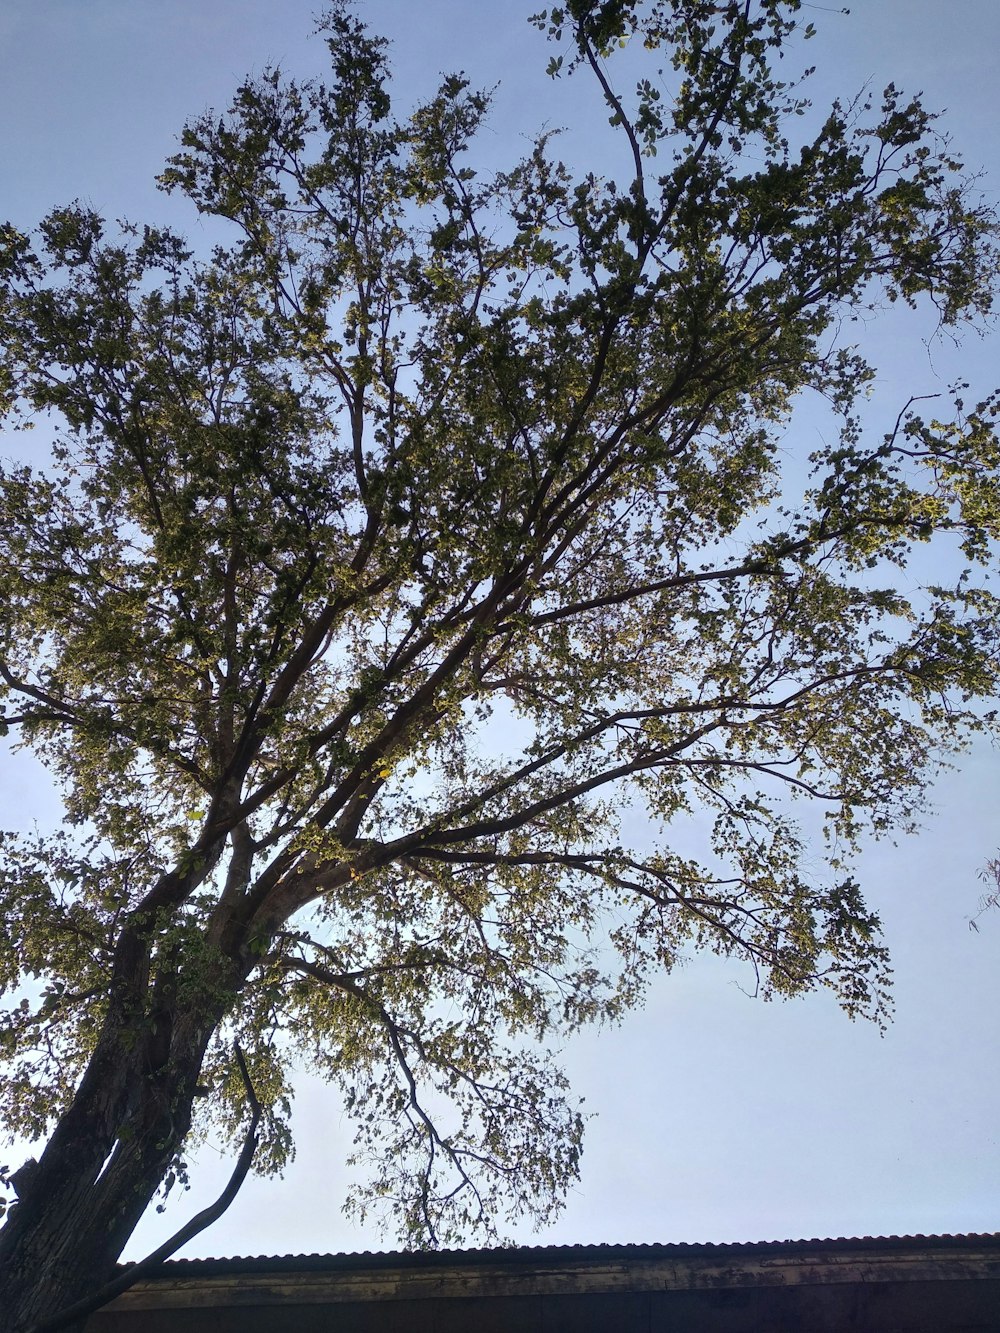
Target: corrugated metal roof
{"points": [[541, 1254]]}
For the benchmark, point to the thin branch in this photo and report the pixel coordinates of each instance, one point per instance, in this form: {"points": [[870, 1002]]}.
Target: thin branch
{"points": [[612, 99]]}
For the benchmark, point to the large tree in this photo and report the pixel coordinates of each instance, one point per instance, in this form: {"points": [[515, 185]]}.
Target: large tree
{"points": [[387, 553]]}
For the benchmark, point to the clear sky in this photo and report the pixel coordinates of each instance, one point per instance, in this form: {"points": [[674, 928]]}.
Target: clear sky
{"points": [[717, 1117]]}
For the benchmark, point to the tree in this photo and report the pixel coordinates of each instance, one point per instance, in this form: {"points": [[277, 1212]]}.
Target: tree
{"points": [[990, 874], [385, 553]]}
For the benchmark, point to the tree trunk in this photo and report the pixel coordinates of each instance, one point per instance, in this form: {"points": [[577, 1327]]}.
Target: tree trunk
{"points": [[101, 1168]]}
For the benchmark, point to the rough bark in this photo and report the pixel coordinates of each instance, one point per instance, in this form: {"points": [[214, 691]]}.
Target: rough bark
{"points": [[106, 1158]]}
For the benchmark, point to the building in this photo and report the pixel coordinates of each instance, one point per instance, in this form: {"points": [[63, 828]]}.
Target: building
{"points": [[894, 1284]]}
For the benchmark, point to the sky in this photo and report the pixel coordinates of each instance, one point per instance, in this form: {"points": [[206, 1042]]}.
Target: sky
{"points": [[716, 1117]]}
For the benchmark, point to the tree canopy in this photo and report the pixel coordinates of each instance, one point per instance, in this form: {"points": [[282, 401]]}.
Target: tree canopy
{"points": [[389, 552]]}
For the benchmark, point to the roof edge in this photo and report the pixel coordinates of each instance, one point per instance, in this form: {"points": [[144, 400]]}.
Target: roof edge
{"points": [[514, 1256]]}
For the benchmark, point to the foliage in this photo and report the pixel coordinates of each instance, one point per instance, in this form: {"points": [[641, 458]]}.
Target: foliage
{"points": [[393, 552]]}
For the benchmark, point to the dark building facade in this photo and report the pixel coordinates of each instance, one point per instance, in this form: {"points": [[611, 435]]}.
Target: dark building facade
{"points": [[898, 1284]]}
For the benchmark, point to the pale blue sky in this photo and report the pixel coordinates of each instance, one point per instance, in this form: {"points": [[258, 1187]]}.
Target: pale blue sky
{"points": [[718, 1117]]}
